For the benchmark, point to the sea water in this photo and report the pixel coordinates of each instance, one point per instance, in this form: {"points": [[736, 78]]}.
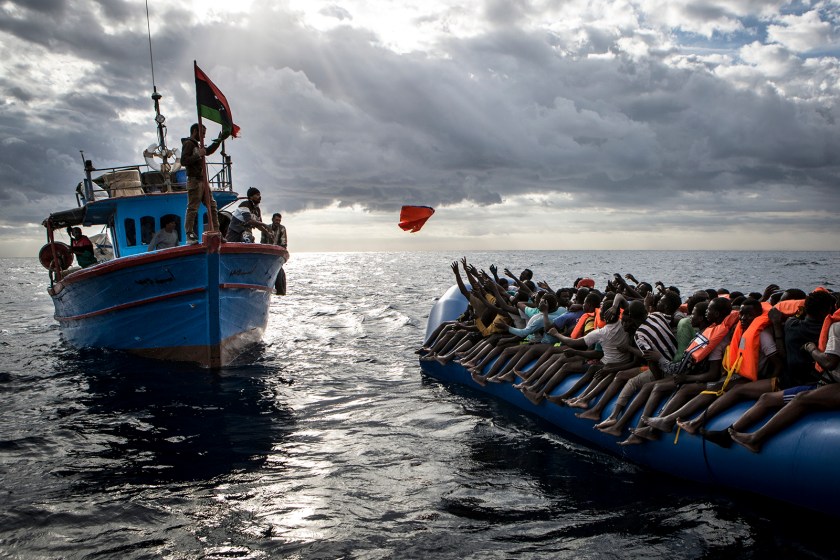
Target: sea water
{"points": [[333, 444]]}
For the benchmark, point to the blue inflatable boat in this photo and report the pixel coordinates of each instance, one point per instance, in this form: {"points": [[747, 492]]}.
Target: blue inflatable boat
{"points": [[797, 466]]}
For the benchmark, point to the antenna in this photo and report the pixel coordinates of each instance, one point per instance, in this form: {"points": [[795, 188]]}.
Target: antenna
{"points": [[161, 150], [151, 57]]}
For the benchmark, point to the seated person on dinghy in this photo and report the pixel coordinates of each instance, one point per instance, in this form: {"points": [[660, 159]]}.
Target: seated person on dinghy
{"points": [[799, 368], [487, 323], [612, 337], [699, 364], [653, 332], [794, 404], [752, 354], [642, 385], [535, 335]]}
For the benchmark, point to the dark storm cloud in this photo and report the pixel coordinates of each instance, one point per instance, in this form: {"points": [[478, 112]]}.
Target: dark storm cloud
{"points": [[335, 117], [42, 6]]}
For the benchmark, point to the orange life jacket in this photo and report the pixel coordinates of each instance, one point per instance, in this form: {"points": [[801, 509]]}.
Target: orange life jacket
{"points": [[742, 355], [598, 321], [577, 332], [705, 342], [827, 322], [790, 307]]}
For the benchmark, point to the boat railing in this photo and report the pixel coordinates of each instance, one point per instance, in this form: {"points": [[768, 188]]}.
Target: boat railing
{"points": [[140, 180]]}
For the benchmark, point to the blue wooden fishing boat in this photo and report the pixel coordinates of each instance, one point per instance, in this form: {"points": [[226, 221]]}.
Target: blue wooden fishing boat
{"points": [[797, 466], [205, 303]]}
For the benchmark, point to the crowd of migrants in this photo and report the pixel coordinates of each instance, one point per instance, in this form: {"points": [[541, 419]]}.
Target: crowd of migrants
{"points": [[699, 355]]}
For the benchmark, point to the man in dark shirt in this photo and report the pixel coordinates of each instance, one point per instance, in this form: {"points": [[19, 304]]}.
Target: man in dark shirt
{"points": [[81, 247], [192, 158], [798, 332]]}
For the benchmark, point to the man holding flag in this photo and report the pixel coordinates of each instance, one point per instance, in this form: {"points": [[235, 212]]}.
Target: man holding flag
{"points": [[213, 106]]}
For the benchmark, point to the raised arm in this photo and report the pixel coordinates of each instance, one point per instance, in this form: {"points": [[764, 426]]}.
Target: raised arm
{"points": [[479, 292], [628, 290], [458, 279], [470, 278], [494, 270], [501, 299]]}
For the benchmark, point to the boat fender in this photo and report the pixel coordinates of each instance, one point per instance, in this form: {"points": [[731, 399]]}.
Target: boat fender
{"points": [[154, 158], [63, 256]]}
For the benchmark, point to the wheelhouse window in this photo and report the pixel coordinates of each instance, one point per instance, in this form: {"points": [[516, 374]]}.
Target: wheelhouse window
{"points": [[130, 232], [147, 229]]}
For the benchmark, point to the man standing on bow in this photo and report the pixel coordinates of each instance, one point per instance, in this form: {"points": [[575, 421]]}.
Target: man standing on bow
{"points": [[192, 158]]}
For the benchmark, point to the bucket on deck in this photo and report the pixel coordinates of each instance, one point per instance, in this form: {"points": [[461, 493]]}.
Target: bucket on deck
{"points": [[180, 181]]}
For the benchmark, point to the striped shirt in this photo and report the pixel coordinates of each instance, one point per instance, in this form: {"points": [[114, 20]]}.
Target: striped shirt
{"points": [[655, 334]]}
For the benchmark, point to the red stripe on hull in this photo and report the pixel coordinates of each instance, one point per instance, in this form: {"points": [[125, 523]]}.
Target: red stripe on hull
{"points": [[131, 304]]}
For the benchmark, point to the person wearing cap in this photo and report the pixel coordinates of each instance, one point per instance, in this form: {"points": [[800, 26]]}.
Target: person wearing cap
{"points": [[585, 283], [246, 216]]}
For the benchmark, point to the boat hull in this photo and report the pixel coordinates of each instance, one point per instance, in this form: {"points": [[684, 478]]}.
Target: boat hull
{"points": [[795, 466], [205, 303]]}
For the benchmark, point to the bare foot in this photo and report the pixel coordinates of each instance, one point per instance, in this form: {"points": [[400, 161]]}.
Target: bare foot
{"points": [[478, 378], [632, 440], [427, 358], [647, 433], [662, 424], [744, 439], [688, 426], [533, 396], [613, 430], [442, 360], [589, 415], [606, 423], [556, 399], [578, 403]]}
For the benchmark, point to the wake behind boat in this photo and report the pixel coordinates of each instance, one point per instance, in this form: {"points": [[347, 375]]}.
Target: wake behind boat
{"points": [[204, 302]]}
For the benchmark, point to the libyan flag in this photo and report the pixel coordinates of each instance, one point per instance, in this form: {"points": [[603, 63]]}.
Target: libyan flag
{"points": [[212, 104]]}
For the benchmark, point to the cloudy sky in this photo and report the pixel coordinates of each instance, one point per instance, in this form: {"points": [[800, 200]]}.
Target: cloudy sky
{"points": [[527, 124]]}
